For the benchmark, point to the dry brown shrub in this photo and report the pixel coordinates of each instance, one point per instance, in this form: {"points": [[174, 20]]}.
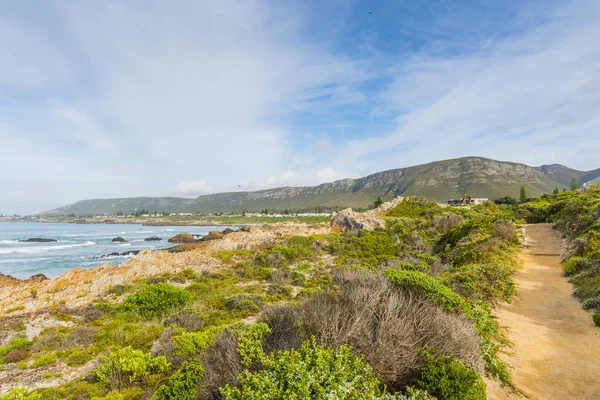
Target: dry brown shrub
{"points": [[90, 313], [505, 230], [284, 335], [442, 223], [53, 339], [15, 356], [222, 365], [388, 326], [280, 275], [187, 320]]}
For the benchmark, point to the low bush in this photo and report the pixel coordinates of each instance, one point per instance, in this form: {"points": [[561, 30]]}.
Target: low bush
{"points": [[505, 230], [127, 367], [311, 371], [576, 264], [45, 359], [447, 378], [15, 356], [592, 303], [182, 238], [390, 342], [188, 320], [16, 343], [298, 279], [182, 384], [596, 318], [119, 334], [156, 300], [193, 343], [20, 393], [414, 207]]}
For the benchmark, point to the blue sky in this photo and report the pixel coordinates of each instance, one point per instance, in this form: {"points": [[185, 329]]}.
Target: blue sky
{"points": [[181, 98]]}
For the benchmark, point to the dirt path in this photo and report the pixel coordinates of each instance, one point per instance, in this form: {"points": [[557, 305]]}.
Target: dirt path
{"points": [[556, 345]]}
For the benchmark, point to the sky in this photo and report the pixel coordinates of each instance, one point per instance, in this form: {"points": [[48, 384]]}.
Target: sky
{"points": [[182, 98]]}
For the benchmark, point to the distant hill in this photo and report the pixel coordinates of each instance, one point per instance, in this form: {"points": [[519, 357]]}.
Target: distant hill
{"points": [[438, 181]]}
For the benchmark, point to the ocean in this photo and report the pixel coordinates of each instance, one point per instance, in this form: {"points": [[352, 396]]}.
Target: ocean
{"points": [[79, 245]]}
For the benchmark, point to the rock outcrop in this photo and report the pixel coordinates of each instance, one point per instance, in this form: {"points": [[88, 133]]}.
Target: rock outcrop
{"points": [[38, 240], [348, 220], [119, 239], [182, 238], [152, 239]]}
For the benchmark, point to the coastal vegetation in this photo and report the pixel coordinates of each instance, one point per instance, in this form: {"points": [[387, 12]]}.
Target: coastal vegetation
{"points": [[399, 312]]}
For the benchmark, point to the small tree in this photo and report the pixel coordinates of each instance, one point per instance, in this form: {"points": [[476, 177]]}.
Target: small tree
{"points": [[574, 184], [523, 195], [377, 202], [555, 191]]}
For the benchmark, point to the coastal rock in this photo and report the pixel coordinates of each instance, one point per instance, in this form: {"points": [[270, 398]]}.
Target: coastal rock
{"points": [[37, 278], [227, 231], [246, 228], [119, 239], [182, 238], [38, 240], [348, 220], [152, 239], [213, 235]]}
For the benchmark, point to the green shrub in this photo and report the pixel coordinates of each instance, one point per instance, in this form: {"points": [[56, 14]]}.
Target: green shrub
{"points": [[15, 343], [193, 343], [298, 279], [20, 393], [44, 359], [596, 318], [433, 288], [182, 385], [311, 371], [414, 207], [127, 367], [592, 303], [576, 264], [134, 393], [156, 300], [119, 334], [447, 378]]}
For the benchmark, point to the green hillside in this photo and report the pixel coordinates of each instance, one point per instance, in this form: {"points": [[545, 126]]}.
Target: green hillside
{"points": [[437, 181]]}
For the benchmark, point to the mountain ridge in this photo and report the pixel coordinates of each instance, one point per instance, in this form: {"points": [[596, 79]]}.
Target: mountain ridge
{"points": [[438, 180]]}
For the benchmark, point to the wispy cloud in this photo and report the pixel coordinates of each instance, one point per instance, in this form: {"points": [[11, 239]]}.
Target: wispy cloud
{"points": [[166, 98]]}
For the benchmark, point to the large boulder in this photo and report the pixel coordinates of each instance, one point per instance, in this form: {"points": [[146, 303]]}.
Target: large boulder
{"points": [[152, 239], [348, 220], [119, 239], [182, 238], [38, 240]]}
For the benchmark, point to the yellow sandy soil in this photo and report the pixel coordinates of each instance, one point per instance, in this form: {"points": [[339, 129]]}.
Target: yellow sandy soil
{"points": [[556, 353]]}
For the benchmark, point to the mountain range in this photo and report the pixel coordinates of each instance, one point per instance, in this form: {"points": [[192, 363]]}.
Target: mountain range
{"points": [[439, 181]]}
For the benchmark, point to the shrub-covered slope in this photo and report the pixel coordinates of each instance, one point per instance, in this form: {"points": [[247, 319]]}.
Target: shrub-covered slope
{"points": [[402, 312]]}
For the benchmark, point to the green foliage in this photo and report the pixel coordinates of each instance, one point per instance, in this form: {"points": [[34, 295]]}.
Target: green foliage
{"points": [[377, 202], [14, 309], [182, 385], [574, 184], [298, 278], [156, 300], [15, 343], [44, 359], [508, 200], [596, 318], [591, 303], [309, 372], [575, 264], [433, 288], [193, 343], [134, 393], [128, 367], [369, 248], [447, 378], [20, 393], [118, 334], [415, 207]]}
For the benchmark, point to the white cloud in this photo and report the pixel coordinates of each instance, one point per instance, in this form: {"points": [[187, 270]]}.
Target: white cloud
{"points": [[193, 188], [530, 97], [327, 174]]}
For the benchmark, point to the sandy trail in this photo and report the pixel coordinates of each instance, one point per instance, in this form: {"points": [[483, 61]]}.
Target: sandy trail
{"points": [[556, 344]]}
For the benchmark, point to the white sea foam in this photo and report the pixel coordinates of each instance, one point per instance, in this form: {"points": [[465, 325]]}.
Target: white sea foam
{"points": [[143, 231], [42, 249], [169, 230], [10, 242], [23, 260]]}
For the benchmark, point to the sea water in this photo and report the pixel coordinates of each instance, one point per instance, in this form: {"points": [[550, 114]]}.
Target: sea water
{"points": [[78, 245]]}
